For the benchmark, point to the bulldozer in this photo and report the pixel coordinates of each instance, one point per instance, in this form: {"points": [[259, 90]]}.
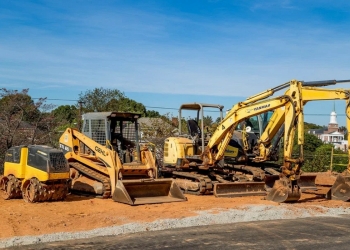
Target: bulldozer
{"points": [[36, 173], [204, 171], [107, 160]]}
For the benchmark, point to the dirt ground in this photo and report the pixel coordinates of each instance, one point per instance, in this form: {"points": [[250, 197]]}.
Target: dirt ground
{"points": [[84, 213]]}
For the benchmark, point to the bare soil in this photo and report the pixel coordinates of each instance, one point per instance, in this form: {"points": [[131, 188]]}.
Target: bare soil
{"points": [[79, 213]]}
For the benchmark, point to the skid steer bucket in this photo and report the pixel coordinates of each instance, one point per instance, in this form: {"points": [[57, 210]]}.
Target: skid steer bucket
{"points": [[238, 189], [307, 182], [284, 190], [340, 190], [137, 192]]}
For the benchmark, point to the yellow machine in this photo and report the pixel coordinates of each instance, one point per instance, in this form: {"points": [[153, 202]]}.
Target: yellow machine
{"points": [[106, 160], [207, 172], [36, 173]]}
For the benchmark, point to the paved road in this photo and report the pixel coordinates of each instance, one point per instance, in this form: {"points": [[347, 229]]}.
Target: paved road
{"points": [[310, 233]]}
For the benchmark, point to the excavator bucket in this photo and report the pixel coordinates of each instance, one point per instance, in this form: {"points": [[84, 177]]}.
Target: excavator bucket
{"points": [[270, 181], [284, 190], [138, 192], [307, 182], [340, 189], [239, 189]]}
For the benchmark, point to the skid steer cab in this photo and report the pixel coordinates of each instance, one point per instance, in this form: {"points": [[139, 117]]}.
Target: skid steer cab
{"points": [[35, 173]]}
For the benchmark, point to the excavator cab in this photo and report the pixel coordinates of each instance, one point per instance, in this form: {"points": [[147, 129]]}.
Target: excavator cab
{"points": [[129, 165]]}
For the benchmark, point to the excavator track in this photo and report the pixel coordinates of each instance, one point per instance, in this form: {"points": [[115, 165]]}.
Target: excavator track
{"points": [[204, 183], [95, 176]]}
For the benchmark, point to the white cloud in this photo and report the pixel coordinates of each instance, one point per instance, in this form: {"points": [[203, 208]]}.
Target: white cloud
{"points": [[141, 51]]}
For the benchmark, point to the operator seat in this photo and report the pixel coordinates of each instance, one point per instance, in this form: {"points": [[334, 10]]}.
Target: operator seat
{"points": [[193, 128]]}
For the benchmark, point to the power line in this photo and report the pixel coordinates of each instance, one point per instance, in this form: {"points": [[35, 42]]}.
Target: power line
{"points": [[212, 111], [58, 99]]}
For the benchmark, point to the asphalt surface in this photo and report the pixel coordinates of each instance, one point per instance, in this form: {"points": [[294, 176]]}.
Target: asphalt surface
{"points": [[309, 233]]}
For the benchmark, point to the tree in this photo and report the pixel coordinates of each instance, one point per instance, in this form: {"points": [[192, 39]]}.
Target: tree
{"points": [[152, 113], [207, 121], [344, 130], [129, 105], [311, 142], [308, 126], [66, 113], [100, 99], [155, 131], [23, 121]]}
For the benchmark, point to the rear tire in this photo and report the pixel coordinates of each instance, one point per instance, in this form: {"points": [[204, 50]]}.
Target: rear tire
{"points": [[4, 187]]}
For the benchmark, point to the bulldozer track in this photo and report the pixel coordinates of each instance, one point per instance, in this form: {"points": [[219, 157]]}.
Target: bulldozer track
{"points": [[94, 175], [206, 184]]}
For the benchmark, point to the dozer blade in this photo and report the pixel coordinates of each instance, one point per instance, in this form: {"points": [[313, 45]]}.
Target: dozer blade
{"points": [[137, 192], [238, 189], [340, 189], [307, 182], [284, 190]]}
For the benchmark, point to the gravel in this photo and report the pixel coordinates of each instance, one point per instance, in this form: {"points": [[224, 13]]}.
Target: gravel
{"points": [[243, 214]]}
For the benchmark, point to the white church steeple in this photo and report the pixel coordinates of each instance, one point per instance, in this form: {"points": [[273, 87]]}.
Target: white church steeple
{"points": [[333, 119], [333, 124]]}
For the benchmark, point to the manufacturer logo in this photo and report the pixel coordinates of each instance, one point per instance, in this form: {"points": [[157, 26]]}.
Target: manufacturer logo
{"points": [[262, 107], [100, 150]]}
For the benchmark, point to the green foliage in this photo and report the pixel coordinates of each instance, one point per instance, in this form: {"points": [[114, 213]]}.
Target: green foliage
{"points": [[311, 142], [320, 160], [66, 113], [129, 105], [100, 99], [152, 114], [308, 126], [345, 131], [207, 121]]}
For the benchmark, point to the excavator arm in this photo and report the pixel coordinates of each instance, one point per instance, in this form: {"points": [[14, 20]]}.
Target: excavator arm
{"points": [[288, 112], [218, 142]]}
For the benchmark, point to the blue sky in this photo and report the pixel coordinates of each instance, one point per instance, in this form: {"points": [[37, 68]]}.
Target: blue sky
{"points": [[164, 53]]}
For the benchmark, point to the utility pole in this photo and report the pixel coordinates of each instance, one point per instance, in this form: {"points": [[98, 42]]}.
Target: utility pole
{"points": [[80, 113]]}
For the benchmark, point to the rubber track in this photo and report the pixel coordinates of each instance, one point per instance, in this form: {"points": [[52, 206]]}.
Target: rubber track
{"points": [[206, 184], [94, 175]]}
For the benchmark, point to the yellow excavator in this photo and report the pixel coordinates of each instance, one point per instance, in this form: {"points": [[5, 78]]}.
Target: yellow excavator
{"points": [[206, 172], [36, 173], [107, 159]]}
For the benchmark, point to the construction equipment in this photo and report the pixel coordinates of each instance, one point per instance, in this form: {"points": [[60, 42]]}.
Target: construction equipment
{"points": [[35, 172], [107, 159], [206, 172]]}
